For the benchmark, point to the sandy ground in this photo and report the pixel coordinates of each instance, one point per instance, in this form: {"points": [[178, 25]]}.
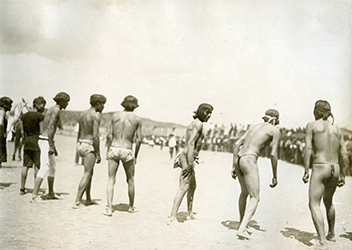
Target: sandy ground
{"points": [[282, 220]]}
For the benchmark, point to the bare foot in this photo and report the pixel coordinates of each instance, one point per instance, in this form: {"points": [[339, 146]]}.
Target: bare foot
{"points": [[77, 205], [108, 212], [171, 221], [243, 235], [320, 246], [36, 199], [22, 191], [190, 216], [132, 210], [90, 202], [330, 237], [51, 196]]}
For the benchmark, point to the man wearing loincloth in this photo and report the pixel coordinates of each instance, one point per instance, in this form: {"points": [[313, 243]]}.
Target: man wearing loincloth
{"points": [[325, 144], [245, 156], [123, 127], [188, 158], [88, 145], [47, 146], [31, 133], [5, 105]]}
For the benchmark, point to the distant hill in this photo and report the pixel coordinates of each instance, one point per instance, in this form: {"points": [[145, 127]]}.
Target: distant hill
{"points": [[69, 121]]}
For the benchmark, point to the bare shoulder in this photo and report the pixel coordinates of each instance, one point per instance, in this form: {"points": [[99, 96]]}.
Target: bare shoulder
{"points": [[54, 110], [196, 124]]}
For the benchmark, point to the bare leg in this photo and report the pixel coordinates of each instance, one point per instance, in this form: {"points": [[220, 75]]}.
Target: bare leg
{"points": [[190, 196], [184, 187], [330, 210], [249, 182], [316, 191], [88, 188], [129, 170], [35, 172], [87, 175], [242, 203], [38, 182], [23, 180], [51, 194], [113, 166]]}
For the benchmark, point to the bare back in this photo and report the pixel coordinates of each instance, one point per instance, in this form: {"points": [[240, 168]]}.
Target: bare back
{"points": [[325, 140], [194, 133], [123, 127], [257, 137], [89, 123]]}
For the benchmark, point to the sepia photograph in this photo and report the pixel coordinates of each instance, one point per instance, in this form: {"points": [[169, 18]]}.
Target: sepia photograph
{"points": [[175, 124]]}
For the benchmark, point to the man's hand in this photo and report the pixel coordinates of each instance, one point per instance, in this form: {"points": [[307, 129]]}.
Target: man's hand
{"points": [[273, 182], [305, 177], [53, 151], [341, 181], [98, 158], [187, 172], [233, 173]]}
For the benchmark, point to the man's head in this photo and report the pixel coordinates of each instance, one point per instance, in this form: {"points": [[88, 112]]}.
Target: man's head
{"points": [[39, 104], [98, 102], [322, 109], [6, 103], [62, 99], [271, 116], [130, 103], [203, 112]]}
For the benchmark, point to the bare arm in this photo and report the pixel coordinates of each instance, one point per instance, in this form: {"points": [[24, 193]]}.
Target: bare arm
{"points": [[191, 148], [109, 136], [273, 156], [307, 152], [2, 125], [343, 162], [96, 140], [52, 129], [138, 140]]}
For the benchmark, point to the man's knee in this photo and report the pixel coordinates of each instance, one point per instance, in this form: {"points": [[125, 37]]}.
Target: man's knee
{"points": [[52, 171], [130, 180]]}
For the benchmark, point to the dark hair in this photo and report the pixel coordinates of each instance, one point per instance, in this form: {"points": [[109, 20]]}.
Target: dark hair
{"points": [[322, 109], [130, 103], [39, 100], [5, 101], [271, 115], [62, 96], [94, 99], [199, 113]]}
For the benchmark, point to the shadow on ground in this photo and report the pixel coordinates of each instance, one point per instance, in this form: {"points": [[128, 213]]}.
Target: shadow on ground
{"points": [[301, 236], [122, 207], [6, 184], [347, 235], [234, 225]]}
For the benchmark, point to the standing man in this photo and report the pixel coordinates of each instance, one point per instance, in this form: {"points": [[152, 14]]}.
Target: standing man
{"points": [[172, 145], [88, 145], [124, 126], [325, 143], [17, 127], [189, 158], [5, 105], [245, 156], [31, 131], [47, 146]]}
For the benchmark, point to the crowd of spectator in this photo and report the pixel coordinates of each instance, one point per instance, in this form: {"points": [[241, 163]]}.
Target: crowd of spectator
{"points": [[290, 149]]}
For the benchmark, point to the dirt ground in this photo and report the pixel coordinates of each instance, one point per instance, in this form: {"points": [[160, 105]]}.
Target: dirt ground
{"points": [[282, 220]]}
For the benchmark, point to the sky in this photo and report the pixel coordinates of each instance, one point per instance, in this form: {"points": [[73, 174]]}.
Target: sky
{"points": [[243, 57]]}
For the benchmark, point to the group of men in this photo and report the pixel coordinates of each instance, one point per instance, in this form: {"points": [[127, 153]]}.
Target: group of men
{"points": [[325, 153]]}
